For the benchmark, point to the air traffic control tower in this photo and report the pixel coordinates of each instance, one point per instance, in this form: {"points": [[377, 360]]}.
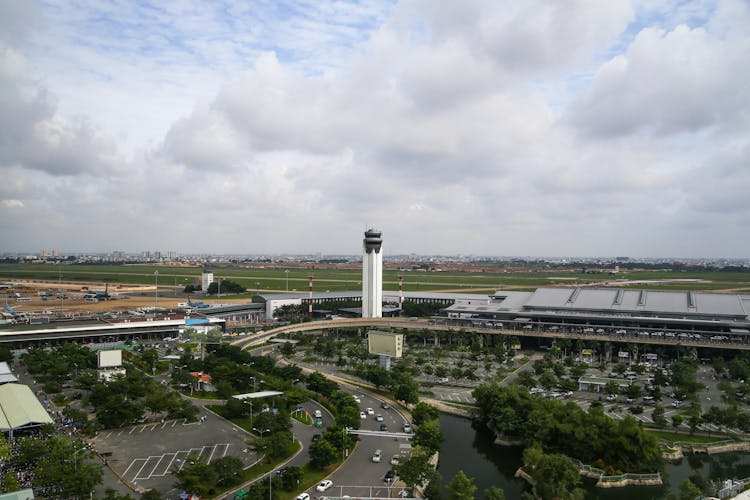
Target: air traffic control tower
{"points": [[372, 275]]}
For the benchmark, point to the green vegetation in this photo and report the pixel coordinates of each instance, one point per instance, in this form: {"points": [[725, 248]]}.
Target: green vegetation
{"points": [[62, 466], [592, 437], [266, 278]]}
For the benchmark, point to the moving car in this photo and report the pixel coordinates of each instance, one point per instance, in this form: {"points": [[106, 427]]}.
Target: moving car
{"points": [[394, 460], [324, 485], [362, 415], [388, 476], [370, 411], [377, 455], [303, 496], [378, 417]]}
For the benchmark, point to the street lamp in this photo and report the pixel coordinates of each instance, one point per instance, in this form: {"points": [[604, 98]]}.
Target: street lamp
{"points": [[218, 289], [287, 279], [261, 431]]}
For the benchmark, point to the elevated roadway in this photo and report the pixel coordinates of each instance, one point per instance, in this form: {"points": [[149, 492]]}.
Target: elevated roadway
{"points": [[536, 332]]}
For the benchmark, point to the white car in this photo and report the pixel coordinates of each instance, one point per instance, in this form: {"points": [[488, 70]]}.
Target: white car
{"points": [[357, 400], [324, 485], [303, 496], [370, 411], [376, 456], [394, 460], [362, 415], [378, 417]]}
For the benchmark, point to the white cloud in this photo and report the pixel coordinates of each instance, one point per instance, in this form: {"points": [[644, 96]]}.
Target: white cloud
{"points": [[515, 128]]}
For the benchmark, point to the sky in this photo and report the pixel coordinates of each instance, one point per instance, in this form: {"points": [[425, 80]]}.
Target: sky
{"points": [[528, 127]]}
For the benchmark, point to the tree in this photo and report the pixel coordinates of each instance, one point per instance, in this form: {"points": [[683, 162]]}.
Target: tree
{"points": [[611, 387], [196, 477], [151, 495], [428, 436], [689, 491], [10, 482], [658, 417], [415, 470], [322, 453], [677, 420], [461, 487], [555, 476], [424, 412], [111, 494], [494, 493], [291, 478], [228, 471]]}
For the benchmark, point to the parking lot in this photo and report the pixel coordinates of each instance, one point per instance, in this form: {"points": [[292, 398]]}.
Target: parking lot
{"points": [[146, 455]]}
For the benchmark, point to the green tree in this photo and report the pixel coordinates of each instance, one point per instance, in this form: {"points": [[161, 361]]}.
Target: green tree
{"points": [[322, 453], [291, 478], [658, 417], [228, 471], [555, 476], [677, 420], [428, 436], [424, 412], [111, 494], [415, 470], [461, 487], [689, 491], [611, 387], [151, 495], [196, 477], [494, 493], [10, 482]]}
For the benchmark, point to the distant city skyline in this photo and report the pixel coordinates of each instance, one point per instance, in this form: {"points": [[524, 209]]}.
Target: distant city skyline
{"points": [[514, 128]]}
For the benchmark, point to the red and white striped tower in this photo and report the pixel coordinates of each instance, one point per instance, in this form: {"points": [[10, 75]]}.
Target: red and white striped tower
{"points": [[309, 300], [400, 293]]}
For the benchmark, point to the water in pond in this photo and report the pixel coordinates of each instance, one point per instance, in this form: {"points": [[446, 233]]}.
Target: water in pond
{"points": [[469, 447]]}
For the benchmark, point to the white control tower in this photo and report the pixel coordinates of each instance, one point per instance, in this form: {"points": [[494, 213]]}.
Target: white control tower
{"points": [[372, 275]]}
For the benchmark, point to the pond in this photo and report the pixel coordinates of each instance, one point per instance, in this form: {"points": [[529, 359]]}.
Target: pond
{"points": [[469, 446]]}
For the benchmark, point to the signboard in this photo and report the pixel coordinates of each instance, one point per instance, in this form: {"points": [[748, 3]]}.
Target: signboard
{"points": [[109, 359], [587, 352], [623, 354], [651, 356], [385, 344]]}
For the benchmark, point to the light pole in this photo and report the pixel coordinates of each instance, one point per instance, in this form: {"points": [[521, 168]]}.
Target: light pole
{"points": [[156, 289], [257, 288], [261, 431], [218, 290], [287, 279]]}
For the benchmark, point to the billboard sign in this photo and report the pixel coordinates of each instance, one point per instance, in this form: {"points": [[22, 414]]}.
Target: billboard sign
{"points": [[623, 354], [110, 358], [385, 344]]}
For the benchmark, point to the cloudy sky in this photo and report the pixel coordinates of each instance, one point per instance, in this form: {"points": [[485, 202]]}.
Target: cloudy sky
{"points": [[586, 128]]}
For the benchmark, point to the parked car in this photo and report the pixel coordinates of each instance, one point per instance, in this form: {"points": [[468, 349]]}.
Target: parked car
{"points": [[388, 476], [394, 460], [303, 496]]}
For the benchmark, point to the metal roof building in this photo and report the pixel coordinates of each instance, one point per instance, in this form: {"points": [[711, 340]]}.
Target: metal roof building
{"points": [[19, 409]]}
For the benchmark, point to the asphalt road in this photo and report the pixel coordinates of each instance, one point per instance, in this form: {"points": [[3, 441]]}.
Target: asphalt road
{"points": [[359, 476]]}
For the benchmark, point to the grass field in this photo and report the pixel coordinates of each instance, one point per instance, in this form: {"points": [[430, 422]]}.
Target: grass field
{"points": [[277, 279]]}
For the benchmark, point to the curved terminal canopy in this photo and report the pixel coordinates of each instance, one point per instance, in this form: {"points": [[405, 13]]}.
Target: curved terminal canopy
{"points": [[373, 240]]}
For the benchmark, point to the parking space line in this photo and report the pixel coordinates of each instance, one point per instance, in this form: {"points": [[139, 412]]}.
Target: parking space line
{"points": [[133, 463], [143, 428], [131, 430], [150, 459], [168, 463]]}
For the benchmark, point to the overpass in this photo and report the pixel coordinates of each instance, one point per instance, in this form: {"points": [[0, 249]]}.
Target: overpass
{"points": [[631, 336]]}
